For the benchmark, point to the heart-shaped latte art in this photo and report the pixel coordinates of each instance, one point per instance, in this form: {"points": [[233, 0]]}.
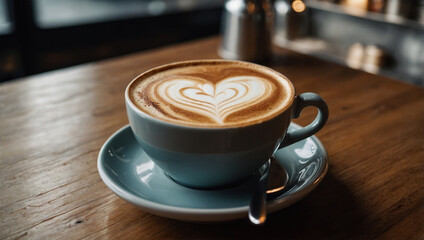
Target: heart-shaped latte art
{"points": [[214, 101]]}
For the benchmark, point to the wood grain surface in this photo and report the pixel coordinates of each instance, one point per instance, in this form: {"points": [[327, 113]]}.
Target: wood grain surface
{"points": [[53, 125]]}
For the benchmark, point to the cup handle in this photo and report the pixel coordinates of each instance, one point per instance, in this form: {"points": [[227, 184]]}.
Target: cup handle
{"points": [[302, 101]]}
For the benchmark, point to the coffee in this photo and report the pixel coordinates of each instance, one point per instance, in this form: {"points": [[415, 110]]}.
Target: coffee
{"points": [[212, 123], [212, 93]]}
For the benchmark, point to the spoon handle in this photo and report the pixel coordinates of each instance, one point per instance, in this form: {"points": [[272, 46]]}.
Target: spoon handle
{"points": [[257, 207]]}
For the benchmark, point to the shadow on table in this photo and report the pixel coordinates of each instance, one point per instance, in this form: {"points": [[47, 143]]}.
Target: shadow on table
{"points": [[331, 211]]}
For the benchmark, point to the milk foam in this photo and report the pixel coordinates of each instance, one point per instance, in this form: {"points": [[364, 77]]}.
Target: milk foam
{"points": [[215, 102], [212, 96]]}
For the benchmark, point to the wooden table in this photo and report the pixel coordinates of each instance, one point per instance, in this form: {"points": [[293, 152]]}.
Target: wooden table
{"points": [[52, 127]]}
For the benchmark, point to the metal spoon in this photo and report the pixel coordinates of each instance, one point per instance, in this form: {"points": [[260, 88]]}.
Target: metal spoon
{"points": [[277, 183]]}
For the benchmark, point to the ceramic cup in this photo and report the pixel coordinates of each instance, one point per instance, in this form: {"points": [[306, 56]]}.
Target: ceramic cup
{"points": [[206, 158]]}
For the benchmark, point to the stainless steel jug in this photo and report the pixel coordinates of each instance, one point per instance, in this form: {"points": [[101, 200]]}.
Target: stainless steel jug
{"points": [[246, 30]]}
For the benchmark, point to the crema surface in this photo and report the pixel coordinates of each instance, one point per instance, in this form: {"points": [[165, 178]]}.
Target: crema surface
{"points": [[211, 93]]}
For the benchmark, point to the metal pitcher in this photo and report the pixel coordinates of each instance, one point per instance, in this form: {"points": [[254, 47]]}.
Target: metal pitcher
{"points": [[246, 30]]}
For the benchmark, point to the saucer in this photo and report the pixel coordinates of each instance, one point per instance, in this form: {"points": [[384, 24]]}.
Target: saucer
{"points": [[126, 169]]}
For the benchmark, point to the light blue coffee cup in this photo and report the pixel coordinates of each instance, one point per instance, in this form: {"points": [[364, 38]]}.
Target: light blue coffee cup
{"points": [[208, 158]]}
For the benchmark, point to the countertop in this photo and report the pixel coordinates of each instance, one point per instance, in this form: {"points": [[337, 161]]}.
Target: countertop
{"points": [[53, 125]]}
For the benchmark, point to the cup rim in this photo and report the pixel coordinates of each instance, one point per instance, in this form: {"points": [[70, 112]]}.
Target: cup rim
{"points": [[181, 63]]}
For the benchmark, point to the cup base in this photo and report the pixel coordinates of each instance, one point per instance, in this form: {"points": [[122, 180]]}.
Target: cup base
{"points": [[257, 174]]}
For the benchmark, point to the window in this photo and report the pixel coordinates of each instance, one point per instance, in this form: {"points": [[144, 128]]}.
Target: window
{"points": [[60, 13]]}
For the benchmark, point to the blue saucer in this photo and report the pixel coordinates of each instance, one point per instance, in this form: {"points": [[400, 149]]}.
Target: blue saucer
{"points": [[129, 173]]}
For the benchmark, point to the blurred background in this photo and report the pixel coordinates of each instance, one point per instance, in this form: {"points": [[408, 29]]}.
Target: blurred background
{"points": [[379, 36], [43, 35]]}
